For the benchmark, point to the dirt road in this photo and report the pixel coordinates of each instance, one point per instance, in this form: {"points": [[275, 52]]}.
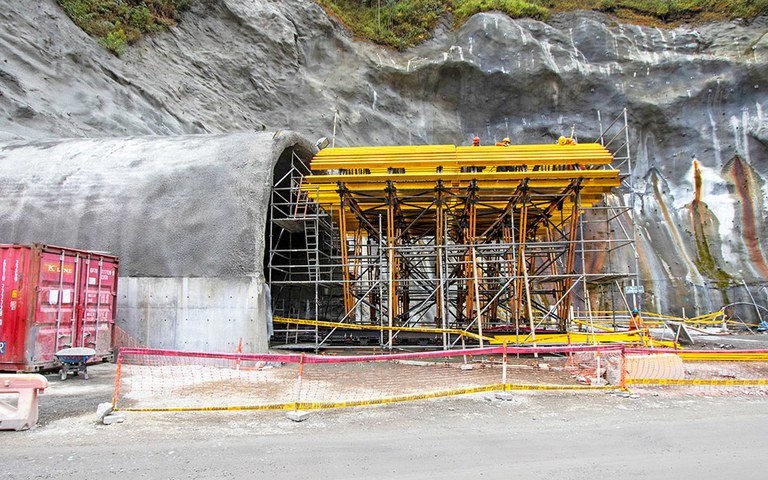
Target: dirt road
{"points": [[536, 434]]}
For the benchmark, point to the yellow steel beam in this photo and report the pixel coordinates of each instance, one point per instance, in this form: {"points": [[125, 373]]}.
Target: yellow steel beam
{"points": [[572, 338], [356, 326], [449, 155], [563, 176]]}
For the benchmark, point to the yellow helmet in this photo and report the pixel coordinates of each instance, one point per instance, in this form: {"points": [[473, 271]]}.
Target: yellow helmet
{"points": [[506, 140], [562, 141]]}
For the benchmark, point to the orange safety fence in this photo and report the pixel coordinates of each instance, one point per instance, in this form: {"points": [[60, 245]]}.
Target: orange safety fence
{"points": [[123, 339], [165, 380]]}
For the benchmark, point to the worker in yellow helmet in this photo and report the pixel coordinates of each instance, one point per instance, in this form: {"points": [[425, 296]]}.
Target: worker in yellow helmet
{"points": [[503, 143]]}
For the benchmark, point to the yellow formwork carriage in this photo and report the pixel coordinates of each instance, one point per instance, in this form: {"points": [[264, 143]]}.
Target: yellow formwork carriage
{"points": [[548, 172], [486, 234]]}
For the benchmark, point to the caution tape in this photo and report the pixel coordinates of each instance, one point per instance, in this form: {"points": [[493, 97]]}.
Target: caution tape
{"points": [[707, 318], [270, 406], [126, 353], [631, 337], [724, 357], [353, 326], [710, 355], [371, 402], [696, 381]]}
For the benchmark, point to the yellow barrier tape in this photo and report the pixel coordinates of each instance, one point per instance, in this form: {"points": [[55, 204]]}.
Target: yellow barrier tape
{"points": [[352, 326], [696, 381], [602, 328], [573, 337], [723, 357], [270, 406], [541, 338], [707, 318], [380, 401]]}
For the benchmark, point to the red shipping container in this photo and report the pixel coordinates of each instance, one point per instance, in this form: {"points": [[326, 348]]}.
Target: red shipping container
{"points": [[53, 298]]}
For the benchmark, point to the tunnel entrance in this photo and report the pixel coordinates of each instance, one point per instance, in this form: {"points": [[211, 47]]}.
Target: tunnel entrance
{"points": [[445, 244], [300, 246]]}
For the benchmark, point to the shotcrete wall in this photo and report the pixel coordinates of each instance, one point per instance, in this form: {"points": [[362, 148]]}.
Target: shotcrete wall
{"points": [[186, 215]]}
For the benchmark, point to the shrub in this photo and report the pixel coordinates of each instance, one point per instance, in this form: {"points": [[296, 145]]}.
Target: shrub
{"points": [[117, 23], [141, 18], [513, 8], [115, 41]]}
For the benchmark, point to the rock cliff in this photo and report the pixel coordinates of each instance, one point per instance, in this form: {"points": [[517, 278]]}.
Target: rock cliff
{"points": [[696, 97]]}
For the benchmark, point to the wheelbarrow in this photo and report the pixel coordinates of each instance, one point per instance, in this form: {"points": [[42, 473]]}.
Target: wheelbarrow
{"points": [[74, 360]]}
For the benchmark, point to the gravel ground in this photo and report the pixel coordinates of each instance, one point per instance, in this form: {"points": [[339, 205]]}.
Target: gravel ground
{"points": [[568, 434]]}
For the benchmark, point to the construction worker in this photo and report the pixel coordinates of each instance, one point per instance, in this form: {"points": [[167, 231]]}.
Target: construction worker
{"points": [[476, 142], [503, 143], [636, 321]]}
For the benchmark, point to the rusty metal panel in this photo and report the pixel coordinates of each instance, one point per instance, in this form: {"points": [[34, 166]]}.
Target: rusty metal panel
{"points": [[14, 273]]}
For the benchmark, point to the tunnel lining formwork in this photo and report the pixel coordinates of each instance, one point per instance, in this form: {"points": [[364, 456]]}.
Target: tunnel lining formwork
{"points": [[445, 238]]}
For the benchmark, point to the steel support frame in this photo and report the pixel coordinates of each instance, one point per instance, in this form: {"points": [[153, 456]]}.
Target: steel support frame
{"points": [[518, 271]]}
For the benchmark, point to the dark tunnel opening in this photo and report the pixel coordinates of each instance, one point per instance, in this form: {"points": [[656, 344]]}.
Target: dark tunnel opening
{"points": [[292, 246]]}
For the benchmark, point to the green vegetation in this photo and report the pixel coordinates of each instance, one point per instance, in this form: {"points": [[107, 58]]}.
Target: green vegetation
{"points": [[400, 23], [118, 23], [514, 8], [704, 261], [706, 265], [404, 23]]}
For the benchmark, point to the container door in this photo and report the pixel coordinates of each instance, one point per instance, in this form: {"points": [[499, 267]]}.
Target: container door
{"points": [[14, 293], [95, 307], [56, 315]]}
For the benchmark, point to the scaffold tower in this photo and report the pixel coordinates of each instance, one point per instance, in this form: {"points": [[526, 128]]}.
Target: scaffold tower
{"points": [[488, 240]]}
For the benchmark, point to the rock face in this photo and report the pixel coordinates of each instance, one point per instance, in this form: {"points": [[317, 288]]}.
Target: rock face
{"points": [[692, 93]]}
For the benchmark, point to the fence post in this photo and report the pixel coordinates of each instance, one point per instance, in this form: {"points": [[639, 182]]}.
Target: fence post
{"points": [[298, 383], [597, 366], [239, 351], [623, 369], [504, 366], [117, 379]]}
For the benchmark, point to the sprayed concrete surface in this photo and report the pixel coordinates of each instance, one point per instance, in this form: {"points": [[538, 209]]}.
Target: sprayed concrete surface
{"points": [[567, 434], [186, 215], [694, 92]]}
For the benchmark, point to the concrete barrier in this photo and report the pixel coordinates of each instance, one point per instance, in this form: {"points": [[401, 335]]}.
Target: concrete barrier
{"points": [[659, 365], [24, 414]]}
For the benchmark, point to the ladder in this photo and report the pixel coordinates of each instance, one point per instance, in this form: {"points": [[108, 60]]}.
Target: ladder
{"points": [[312, 243]]}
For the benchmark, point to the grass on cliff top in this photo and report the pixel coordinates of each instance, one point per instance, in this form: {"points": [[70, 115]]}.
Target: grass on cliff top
{"points": [[116, 23], [404, 23]]}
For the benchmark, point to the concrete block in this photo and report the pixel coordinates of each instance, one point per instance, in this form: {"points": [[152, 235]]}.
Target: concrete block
{"points": [[297, 415], [658, 365], [466, 366], [103, 410], [117, 417], [506, 396]]}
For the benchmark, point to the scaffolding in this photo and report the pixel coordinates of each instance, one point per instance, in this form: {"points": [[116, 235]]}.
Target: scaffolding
{"points": [[507, 240]]}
